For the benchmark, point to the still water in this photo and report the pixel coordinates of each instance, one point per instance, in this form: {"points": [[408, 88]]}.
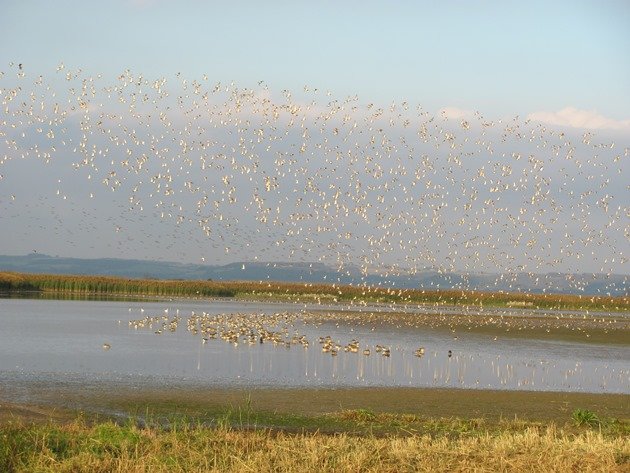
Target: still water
{"points": [[83, 342]]}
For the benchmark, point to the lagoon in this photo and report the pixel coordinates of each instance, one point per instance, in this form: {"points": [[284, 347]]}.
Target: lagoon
{"points": [[47, 342]]}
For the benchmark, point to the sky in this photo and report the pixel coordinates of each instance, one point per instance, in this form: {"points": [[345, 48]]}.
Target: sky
{"points": [[503, 56], [549, 67]]}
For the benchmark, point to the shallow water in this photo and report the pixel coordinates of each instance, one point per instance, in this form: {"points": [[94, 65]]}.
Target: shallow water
{"points": [[61, 341]]}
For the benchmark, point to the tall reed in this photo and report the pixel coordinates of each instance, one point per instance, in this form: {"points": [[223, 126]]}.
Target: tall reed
{"points": [[15, 282]]}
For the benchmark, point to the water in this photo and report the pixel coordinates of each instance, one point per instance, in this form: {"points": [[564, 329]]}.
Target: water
{"points": [[61, 341]]}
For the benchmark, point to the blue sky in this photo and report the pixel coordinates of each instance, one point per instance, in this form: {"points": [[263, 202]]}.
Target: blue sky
{"points": [[459, 183], [499, 57]]}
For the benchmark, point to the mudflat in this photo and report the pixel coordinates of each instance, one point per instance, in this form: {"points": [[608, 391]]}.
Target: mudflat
{"points": [[491, 405]]}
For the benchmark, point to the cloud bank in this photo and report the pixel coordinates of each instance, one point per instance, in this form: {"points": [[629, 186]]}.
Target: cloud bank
{"points": [[575, 118]]}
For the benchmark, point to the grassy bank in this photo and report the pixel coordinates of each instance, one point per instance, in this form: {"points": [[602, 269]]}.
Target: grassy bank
{"points": [[106, 446], [375, 429], [307, 292]]}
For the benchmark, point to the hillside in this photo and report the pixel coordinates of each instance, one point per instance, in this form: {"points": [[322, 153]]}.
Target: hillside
{"points": [[590, 284]]}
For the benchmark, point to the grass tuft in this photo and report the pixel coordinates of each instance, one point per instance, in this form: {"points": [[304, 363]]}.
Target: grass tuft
{"points": [[586, 417]]}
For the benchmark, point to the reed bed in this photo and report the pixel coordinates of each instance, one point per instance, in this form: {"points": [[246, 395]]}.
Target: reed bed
{"points": [[64, 284], [108, 447], [326, 293]]}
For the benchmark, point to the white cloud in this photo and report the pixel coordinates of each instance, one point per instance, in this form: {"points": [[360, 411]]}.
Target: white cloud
{"points": [[575, 118], [455, 113]]}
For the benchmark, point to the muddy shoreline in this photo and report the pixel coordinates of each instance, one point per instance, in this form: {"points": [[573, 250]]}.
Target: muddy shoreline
{"points": [[61, 404]]}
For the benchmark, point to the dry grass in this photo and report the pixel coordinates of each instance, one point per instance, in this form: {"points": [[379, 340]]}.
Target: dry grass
{"points": [[108, 447]]}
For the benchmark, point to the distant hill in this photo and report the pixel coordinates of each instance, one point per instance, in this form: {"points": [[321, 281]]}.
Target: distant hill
{"points": [[591, 284]]}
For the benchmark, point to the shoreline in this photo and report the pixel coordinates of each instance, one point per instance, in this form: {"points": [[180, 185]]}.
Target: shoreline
{"points": [[201, 403], [243, 438]]}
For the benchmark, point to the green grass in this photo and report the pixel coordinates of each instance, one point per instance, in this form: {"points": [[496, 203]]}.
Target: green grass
{"points": [[364, 422], [586, 417]]}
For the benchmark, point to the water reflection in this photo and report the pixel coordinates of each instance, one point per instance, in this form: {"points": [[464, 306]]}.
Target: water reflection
{"points": [[225, 343]]}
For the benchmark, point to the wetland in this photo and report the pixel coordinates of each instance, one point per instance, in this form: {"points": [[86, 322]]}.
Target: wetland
{"points": [[91, 351], [151, 373]]}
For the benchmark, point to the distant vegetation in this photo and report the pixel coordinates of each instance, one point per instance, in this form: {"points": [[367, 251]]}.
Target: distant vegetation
{"points": [[615, 285], [303, 292], [111, 285]]}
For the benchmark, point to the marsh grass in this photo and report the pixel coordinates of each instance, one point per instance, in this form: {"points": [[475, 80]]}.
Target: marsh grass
{"points": [[303, 292], [82, 446]]}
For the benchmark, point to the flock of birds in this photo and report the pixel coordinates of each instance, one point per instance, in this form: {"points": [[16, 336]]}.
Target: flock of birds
{"points": [[469, 319], [435, 364], [281, 328], [278, 329], [211, 171]]}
